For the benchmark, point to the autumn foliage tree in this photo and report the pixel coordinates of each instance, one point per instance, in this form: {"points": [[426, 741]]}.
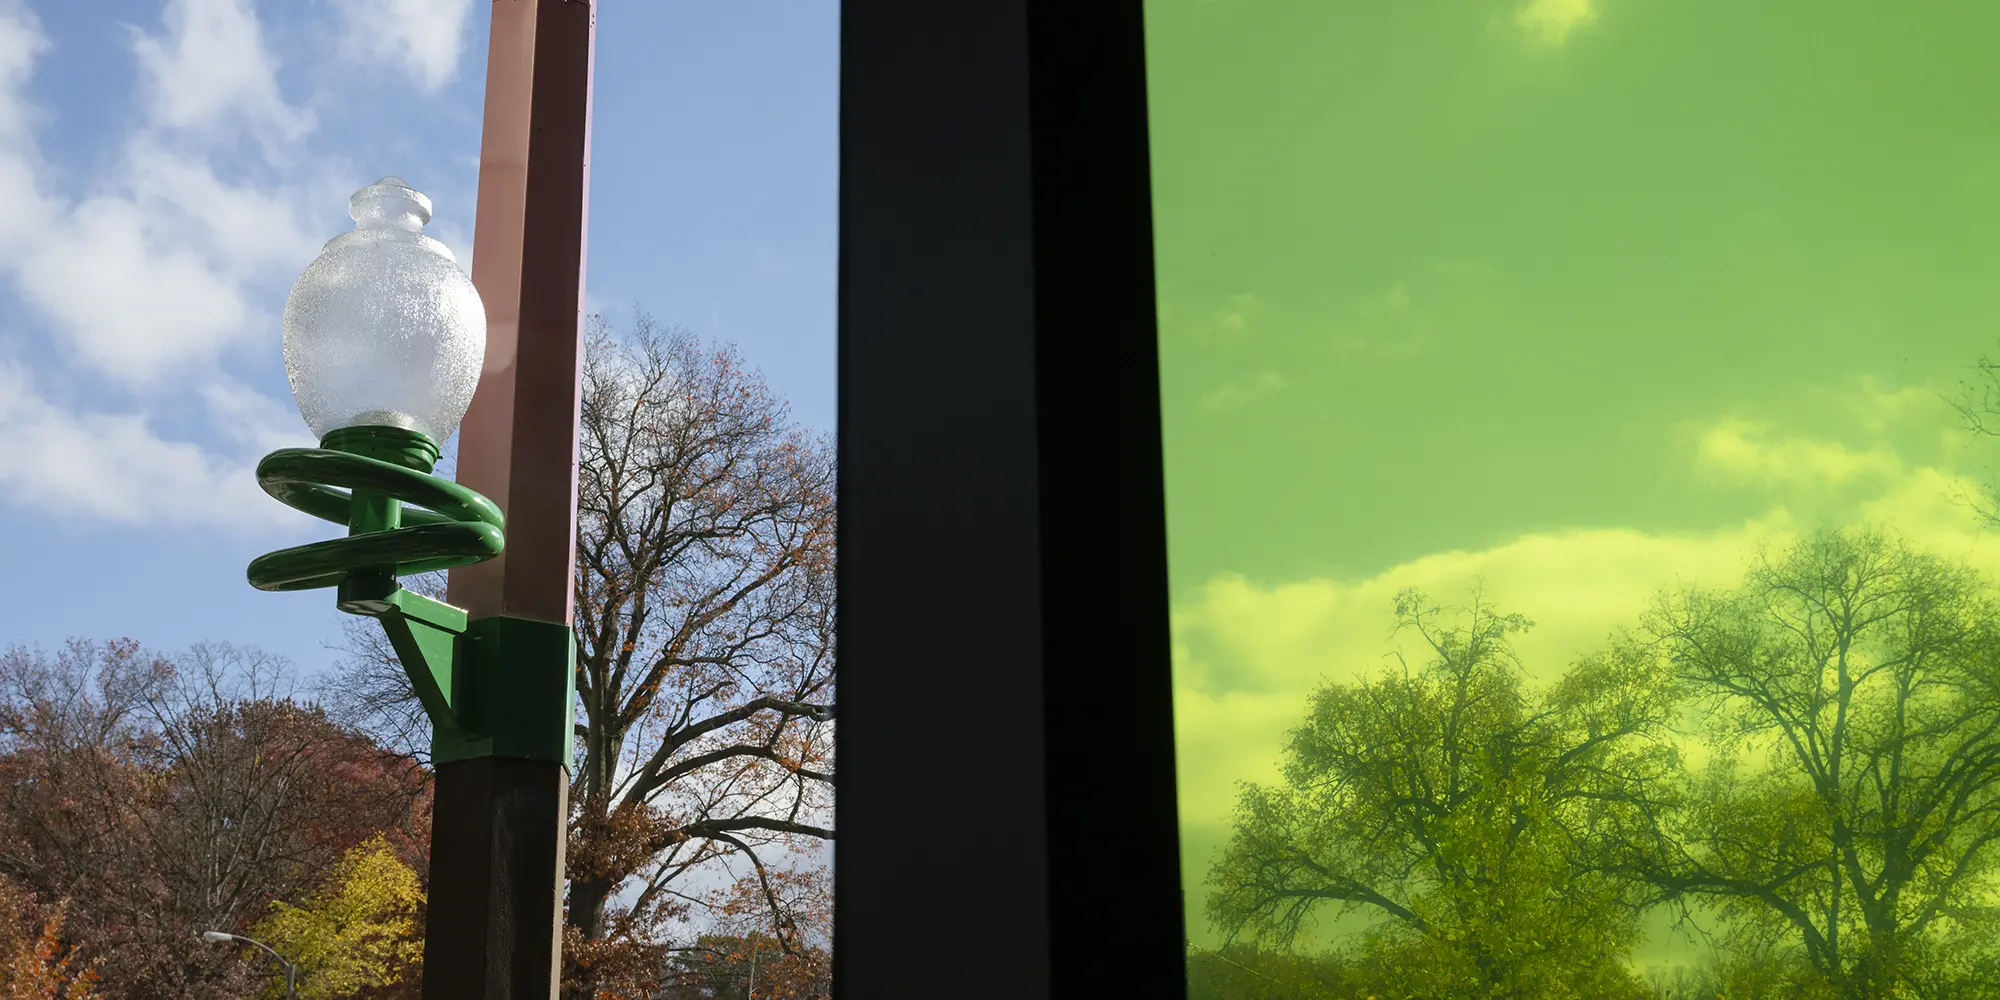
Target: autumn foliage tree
{"points": [[732, 966], [37, 962], [738, 958], [358, 932], [164, 796], [705, 636]]}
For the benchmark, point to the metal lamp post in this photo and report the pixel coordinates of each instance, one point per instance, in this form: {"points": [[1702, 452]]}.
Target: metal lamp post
{"points": [[385, 343], [291, 971]]}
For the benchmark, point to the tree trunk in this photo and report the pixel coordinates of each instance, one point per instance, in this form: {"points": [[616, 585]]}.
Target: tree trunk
{"points": [[586, 914], [586, 906]]}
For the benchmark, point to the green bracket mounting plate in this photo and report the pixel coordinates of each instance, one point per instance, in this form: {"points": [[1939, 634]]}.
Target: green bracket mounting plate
{"points": [[425, 634], [496, 686]]}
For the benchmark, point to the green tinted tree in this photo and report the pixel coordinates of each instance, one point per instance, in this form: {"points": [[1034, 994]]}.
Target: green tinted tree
{"points": [[1455, 804], [1851, 688], [1246, 972]]}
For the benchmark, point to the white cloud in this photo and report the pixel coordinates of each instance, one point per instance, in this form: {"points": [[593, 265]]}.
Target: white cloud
{"points": [[454, 239], [21, 44], [211, 69], [1238, 393], [25, 212], [256, 421], [1875, 407], [113, 466], [158, 268], [247, 231], [1551, 22], [1749, 452], [1247, 654], [27, 216], [422, 37], [133, 303], [147, 274], [1235, 319]]}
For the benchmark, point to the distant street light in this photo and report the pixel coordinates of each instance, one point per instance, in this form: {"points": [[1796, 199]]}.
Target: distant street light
{"points": [[291, 971]]}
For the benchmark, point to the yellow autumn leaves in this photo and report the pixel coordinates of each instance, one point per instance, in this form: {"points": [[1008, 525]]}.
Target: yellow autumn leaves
{"points": [[358, 930]]}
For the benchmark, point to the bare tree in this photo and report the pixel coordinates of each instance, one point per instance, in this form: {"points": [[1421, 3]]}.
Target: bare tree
{"points": [[1978, 406], [262, 792], [705, 654], [705, 630], [1853, 802]]}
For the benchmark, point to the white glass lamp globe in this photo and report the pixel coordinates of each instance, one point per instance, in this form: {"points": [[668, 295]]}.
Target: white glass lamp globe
{"points": [[384, 328]]}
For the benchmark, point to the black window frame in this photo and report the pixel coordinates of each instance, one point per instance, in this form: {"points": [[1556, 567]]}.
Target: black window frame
{"points": [[1005, 797]]}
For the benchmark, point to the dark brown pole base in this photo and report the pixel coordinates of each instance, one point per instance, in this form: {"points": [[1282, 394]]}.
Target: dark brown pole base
{"points": [[494, 925]]}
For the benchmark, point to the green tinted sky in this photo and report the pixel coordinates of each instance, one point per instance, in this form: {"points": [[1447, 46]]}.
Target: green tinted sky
{"points": [[1575, 297]]}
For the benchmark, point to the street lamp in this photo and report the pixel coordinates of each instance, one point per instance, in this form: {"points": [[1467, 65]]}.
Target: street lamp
{"points": [[384, 341], [384, 329], [291, 971]]}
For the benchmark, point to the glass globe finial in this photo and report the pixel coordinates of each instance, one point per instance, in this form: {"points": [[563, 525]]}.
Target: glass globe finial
{"points": [[384, 328], [392, 203]]}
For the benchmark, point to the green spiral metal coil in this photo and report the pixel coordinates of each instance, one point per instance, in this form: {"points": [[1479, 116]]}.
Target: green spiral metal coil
{"points": [[401, 519], [493, 686]]}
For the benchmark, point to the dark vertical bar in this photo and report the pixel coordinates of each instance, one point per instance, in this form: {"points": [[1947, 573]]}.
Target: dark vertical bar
{"points": [[490, 931], [497, 851], [940, 860], [1106, 648], [1006, 799]]}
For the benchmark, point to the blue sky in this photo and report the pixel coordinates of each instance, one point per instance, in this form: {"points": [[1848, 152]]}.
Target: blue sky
{"points": [[167, 169]]}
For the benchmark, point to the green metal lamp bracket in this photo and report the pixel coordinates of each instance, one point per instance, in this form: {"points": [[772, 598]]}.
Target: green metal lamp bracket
{"points": [[490, 685], [425, 634]]}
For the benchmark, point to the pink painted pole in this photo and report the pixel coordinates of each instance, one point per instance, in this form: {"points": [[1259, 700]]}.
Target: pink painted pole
{"points": [[498, 831]]}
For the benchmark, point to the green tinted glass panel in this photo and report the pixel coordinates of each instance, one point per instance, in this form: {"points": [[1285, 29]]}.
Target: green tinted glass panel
{"points": [[1581, 537]]}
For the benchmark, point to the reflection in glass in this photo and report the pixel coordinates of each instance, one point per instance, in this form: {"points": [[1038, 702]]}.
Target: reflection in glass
{"points": [[1578, 462]]}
